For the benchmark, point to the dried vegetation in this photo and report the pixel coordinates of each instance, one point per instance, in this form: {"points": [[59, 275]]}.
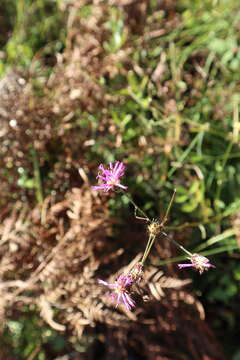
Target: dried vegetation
{"points": [[51, 258]]}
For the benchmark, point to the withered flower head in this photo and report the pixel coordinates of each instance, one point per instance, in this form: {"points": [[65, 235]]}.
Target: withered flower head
{"points": [[199, 262], [154, 227]]}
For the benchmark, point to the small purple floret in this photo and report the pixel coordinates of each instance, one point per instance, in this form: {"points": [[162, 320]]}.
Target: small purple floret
{"points": [[110, 177], [199, 262], [120, 291]]}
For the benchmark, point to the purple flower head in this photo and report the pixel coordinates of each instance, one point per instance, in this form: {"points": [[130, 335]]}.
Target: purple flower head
{"points": [[120, 290], [199, 262], [110, 177]]}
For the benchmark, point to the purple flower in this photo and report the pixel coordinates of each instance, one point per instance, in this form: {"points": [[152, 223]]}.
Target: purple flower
{"points": [[110, 177], [120, 290], [199, 262]]}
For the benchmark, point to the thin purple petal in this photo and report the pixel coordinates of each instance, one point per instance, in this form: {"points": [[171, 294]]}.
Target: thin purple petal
{"points": [[110, 285], [181, 266], [103, 282], [130, 301], [125, 303], [99, 187], [122, 186], [209, 265]]}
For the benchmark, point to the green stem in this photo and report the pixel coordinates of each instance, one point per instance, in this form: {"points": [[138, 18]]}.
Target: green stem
{"points": [[225, 159], [219, 250], [135, 205], [169, 207], [203, 222], [184, 154], [177, 244], [147, 250]]}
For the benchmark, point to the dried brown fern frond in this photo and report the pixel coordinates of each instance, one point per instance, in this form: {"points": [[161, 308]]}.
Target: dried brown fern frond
{"points": [[60, 263], [157, 281], [47, 314]]}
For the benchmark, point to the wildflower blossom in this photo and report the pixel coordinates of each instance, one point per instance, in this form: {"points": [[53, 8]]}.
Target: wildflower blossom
{"points": [[110, 177], [199, 262], [120, 290]]}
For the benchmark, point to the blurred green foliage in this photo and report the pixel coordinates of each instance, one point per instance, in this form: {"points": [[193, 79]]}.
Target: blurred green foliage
{"points": [[29, 335], [35, 28]]}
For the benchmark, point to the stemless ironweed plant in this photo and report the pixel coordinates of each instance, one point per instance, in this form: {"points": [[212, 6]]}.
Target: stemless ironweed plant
{"points": [[121, 288], [110, 178]]}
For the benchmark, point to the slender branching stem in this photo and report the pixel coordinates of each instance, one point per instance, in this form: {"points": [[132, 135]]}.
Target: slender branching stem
{"points": [[147, 250], [152, 237], [136, 207], [177, 244], [165, 218]]}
